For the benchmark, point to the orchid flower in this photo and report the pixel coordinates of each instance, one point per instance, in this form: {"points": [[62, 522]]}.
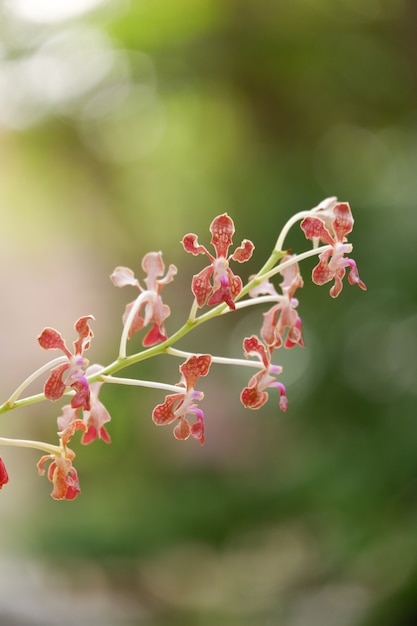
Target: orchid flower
{"points": [[178, 405], [217, 283], [282, 319], [72, 373], [4, 477], [255, 395], [149, 306], [62, 475], [330, 224]]}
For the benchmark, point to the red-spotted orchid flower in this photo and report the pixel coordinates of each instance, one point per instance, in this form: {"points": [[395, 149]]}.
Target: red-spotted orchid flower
{"points": [[68, 423], [4, 477], [149, 306], [93, 420], [72, 373], [217, 283], [282, 319], [62, 475], [331, 222], [98, 415], [255, 395], [178, 405]]}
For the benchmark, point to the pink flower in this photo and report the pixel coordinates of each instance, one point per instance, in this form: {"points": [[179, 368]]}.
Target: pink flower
{"points": [[155, 312], [4, 477], [254, 395], [178, 405], [282, 318], [69, 374], [68, 423], [97, 416], [333, 222], [217, 283], [62, 475], [93, 420]]}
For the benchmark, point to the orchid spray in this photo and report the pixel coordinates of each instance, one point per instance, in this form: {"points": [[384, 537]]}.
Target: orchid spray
{"points": [[217, 291]]}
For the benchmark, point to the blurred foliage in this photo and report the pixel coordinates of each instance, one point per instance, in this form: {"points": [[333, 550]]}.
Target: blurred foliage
{"points": [[124, 125]]}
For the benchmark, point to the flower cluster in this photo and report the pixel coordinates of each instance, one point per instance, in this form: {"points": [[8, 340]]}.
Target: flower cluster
{"points": [[218, 291], [72, 375]]}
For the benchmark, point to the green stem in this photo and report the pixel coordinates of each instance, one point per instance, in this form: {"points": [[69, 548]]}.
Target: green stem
{"points": [[284, 232]]}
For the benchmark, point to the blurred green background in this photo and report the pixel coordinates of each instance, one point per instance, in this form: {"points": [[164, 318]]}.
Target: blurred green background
{"points": [[123, 126]]}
